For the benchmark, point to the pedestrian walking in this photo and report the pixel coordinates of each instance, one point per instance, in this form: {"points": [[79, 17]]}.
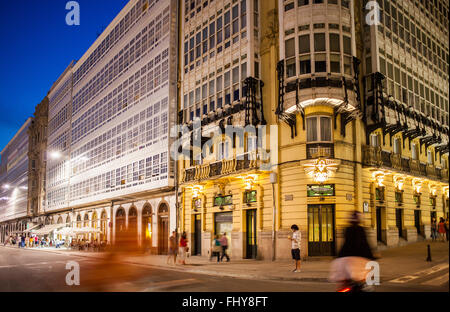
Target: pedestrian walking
{"points": [[216, 248], [224, 245], [446, 229], [172, 248], [183, 248], [441, 229], [433, 229], [350, 267], [295, 246]]}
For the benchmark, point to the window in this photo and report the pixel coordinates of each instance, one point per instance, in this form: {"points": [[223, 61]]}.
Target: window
{"points": [[430, 157], [320, 63], [318, 129], [303, 44], [305, 64], [347, 45], [335, 63], [375, 140], [334, 43], [397, 146], [319, 42]]}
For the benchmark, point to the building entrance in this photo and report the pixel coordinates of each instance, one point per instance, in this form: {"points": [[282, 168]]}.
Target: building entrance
{"points": [[321, 230]]}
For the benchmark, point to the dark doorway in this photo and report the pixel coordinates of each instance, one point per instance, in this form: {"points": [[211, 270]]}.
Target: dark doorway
{"points": [[197, 235], [163, 229], [321, 230], [399, 221], [251, 242], [378, 220], [417, 215]]}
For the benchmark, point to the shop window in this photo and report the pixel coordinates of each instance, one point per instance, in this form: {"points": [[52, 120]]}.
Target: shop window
{"points": [[416, 198], [223, 200], [196, 203], [303, 2], [433, 201], [399, 197], [250, 197]]}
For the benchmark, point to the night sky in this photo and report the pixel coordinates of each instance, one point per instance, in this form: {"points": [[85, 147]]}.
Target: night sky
{"points": [[36, 45]]}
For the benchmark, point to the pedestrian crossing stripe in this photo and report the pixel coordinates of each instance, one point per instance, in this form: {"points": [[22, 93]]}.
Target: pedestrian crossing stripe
{"points": [[407, 278], [438, 281]]}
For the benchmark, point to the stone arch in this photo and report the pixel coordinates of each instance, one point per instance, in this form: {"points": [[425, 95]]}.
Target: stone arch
{"points": [[147, 226], [120, 219], [163, 228], [60, 220], [78, 222], [103, 225]]}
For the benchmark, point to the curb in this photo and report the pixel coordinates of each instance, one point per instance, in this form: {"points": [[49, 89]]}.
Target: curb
{"points": [[196, 271]]}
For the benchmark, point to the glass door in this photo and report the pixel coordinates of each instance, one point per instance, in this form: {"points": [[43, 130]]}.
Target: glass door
{"points": [[251, 245], [321, 227], [197, 235]]}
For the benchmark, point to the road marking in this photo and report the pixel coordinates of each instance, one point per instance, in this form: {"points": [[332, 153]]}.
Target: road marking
{"points": [[174, 283], [438, 281], [419, 274]]}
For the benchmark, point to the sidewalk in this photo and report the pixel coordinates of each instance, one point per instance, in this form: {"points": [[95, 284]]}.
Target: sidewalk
{"points": [[394, 263]]}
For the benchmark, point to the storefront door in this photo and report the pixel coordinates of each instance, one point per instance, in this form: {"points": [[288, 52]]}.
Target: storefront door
{"points": [[417, 215], [378, 217], [223, 223], [197, 235], [398, 221], [321, 230], [251, 245]]}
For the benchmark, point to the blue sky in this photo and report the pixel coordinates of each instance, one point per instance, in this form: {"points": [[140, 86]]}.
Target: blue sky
{"points": [[36, 45]]}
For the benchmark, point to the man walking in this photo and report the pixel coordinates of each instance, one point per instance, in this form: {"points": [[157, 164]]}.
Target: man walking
{"points": [[295, 246], [172, 248], [224, 244]]}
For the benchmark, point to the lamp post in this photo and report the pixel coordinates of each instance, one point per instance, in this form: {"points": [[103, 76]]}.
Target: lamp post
{"points": [[273, 180]]}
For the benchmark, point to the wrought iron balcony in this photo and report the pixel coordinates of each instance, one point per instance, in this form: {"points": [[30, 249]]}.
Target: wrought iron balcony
{"points": [[220, 168], [372, 156], [317, 150]]}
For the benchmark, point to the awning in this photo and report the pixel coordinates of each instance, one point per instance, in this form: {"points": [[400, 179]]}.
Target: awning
{"points": [[85, 230], [66, 231], [47, 229], [32, 228]]}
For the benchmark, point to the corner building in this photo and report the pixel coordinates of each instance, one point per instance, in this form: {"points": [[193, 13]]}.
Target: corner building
{"points": [[354, 133], [109, 117]]}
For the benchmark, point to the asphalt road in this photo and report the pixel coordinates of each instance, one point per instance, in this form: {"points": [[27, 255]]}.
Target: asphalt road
{"points": [[40, 271]]}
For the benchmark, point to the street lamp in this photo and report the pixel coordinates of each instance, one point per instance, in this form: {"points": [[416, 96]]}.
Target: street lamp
{"points": [[55, 155]]}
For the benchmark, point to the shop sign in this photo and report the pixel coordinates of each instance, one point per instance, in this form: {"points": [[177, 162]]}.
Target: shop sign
{"points": [[320, 190]]}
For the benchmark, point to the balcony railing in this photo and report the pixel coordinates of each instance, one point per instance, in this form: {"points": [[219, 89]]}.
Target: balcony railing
{"points": [[320, 150], [374, 156], [219, 168]]}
